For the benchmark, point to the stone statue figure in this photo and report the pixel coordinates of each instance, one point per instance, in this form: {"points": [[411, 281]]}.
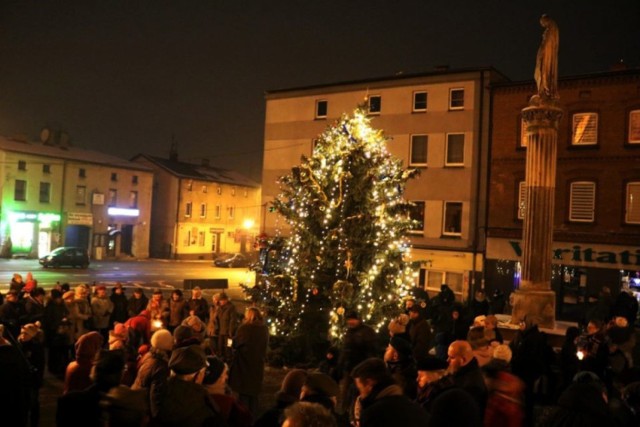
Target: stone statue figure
{"points": [[546, 73]]}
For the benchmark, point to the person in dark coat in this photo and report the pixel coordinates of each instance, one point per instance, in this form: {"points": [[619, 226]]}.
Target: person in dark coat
{"points": [[455, 407], [249, 357], [187, 403], [381, 401], [120, 312], [431, 380], [137, 302], [419, 332], [226, 324], [198, 306], [626, 305], [34, 306], [288, 394], [31, 341], [466, 373], [178, 310], [12, 314], [57, 339], [14, 371], [581, 404], [401, 365], [479, 306]]}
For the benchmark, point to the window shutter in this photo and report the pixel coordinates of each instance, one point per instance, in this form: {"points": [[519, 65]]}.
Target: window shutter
{"points": [[582, 204], [632, 214], [585, 128]]}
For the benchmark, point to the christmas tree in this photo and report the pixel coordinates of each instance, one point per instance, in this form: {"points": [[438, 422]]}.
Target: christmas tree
{"points": [[345, 246]]}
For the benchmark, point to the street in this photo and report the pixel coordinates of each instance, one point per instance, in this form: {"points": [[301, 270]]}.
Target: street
{"points": [[146, 274]]}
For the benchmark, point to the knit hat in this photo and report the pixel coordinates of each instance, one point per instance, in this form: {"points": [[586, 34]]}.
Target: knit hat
{"points": [[292, 385], [187, 360], [502, 352], [162, 340], [182, 333], [322, 384], [401, 346], [431, 363], [214, 370]]}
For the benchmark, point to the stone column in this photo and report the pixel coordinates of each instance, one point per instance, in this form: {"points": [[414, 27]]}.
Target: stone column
{"points": [[535, 296]]}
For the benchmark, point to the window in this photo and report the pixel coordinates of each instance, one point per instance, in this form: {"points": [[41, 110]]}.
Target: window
{"points": [[417, 215], [435, 279], [22, 165], [133, 199], [188, 209], [46, 168], [321, 109], [233, 191], [20, 190], [201, 238], [81, 194], [113, 197], [203, 210], [419, 101], [45, 192], [455, 149], [82, 173], [134, 179], [187, 239], [632, 211], [204, 189], [582, 201], [419, 145], [114, 176], [217, 211], [375, 104], [634, 127], [246, 193], [522, 199], [232, 212], [524, 141], [219, 190], [456, 99], [585, 129], [452, 224], [189, 185]]}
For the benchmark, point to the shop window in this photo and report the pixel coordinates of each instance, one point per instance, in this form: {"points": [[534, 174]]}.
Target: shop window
{"points": [[417, 216], [632, 210], [456, 99], [452, 224], [20, 190], [435, 279], [455, 149], [81, 194], [187, 238], [582, 201], [188, 209], [419, 102], [585, 129], [419, 149], [321, 108], [45, 192]]}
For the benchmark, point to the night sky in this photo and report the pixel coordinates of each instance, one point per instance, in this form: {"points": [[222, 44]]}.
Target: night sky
{"points": [[124, 76]]}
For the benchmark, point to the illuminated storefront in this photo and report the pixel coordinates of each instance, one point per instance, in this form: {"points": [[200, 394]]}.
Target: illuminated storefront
{"points": [[32, 233]]}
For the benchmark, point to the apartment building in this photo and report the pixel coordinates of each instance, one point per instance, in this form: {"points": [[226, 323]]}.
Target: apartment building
{"points": [[201, 211], [54, 194], [597, 200], [438, 122]]}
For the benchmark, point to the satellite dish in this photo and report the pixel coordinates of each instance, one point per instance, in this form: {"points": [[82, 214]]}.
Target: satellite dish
{"points": [[45, 134]]}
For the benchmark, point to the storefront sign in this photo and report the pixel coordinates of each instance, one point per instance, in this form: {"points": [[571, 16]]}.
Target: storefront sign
{"points": [[575, 254], [33, 217], [79, 218], [123, 212]]}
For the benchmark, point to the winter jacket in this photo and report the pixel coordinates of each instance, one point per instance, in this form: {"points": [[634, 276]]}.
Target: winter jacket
{"points": [[12, 316], [177, 312], [249, 356], [359, 344], [387, 406], [78, 371], [505, 402], [53, 315], [79, 314], [153, 374], [227, 319], [421, 337], [34, 310], [120, 308], [14, 393], [469, 378], [102, 308], [136, 305], [200, 307], [187, 404]]}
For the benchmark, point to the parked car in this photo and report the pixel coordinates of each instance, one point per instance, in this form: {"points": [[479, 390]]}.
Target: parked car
{"points": [[232, 261], [66, 256]]}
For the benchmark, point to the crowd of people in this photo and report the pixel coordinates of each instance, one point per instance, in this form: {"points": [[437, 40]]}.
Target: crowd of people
{"points": [[134, 361]]}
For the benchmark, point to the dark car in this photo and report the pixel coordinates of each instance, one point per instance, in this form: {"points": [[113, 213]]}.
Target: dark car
{"points": [[66, 256], [232, 261]]}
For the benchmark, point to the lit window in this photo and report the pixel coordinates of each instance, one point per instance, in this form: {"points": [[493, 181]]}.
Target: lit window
{"points": [[634, 127], [417, 216], [452, 221], [419, 146], [20, 190], [232, 212], [187, 209], [582, 201], [455, 149], [375, 104], [217, 211], [523, 134], [321, 109], [204, 189], [201, 238], [233, 191], [632, 211], [203, 210], [585, 129], [219, 190], [419, 101], [133, 199], [456, 99]]}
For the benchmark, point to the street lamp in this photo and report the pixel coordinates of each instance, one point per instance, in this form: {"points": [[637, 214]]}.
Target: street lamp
{"points": [[248, 223]]}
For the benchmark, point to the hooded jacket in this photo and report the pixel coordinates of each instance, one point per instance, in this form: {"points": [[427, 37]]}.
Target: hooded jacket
{"points": [[77, 376]]}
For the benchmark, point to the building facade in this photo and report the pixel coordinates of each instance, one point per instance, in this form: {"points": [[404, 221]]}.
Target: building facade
{"points": [[437, 122], [58, 195], [200, 211], [597, 194]]}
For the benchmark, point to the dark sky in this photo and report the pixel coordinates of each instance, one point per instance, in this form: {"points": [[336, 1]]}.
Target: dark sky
{"points": [[124, 76]]}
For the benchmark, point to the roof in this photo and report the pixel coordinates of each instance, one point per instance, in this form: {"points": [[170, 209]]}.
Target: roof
{"points": [[68, 153], [395, 77], [201, 172]]}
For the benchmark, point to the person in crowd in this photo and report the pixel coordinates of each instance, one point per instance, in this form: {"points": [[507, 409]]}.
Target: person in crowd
{"points": [[306, 414], [431, 380], [153, 371], [360, 343], [398, 327], [212, 326], [30, 284], [380, 400], [491, 330], [482, 351], [227, 323], [505, 402], [626, 305], [34, 305], [186, 401], [626, 410], [401, 365], [583, 403], [31, 341], [137, 302], [497, 303], [12, 314], [569, 361], [321, 388], [288, 394], [419, 332], [16, 284], [56, 334], [198, 306], [329, 365], [479, 306], [465, 372], [139, 327], [183, 337], [455, 407], [249, 356], [82, 407], [215, 382], [197, 326], [77, 376], [594, 347], [177, 310], [120, 305], [14, 371], [158, 310], [123, 407], [101, 307], [80, 312], [119, 337]]}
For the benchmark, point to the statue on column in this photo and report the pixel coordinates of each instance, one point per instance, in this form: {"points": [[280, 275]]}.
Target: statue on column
{"points": [[546, 72]]}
